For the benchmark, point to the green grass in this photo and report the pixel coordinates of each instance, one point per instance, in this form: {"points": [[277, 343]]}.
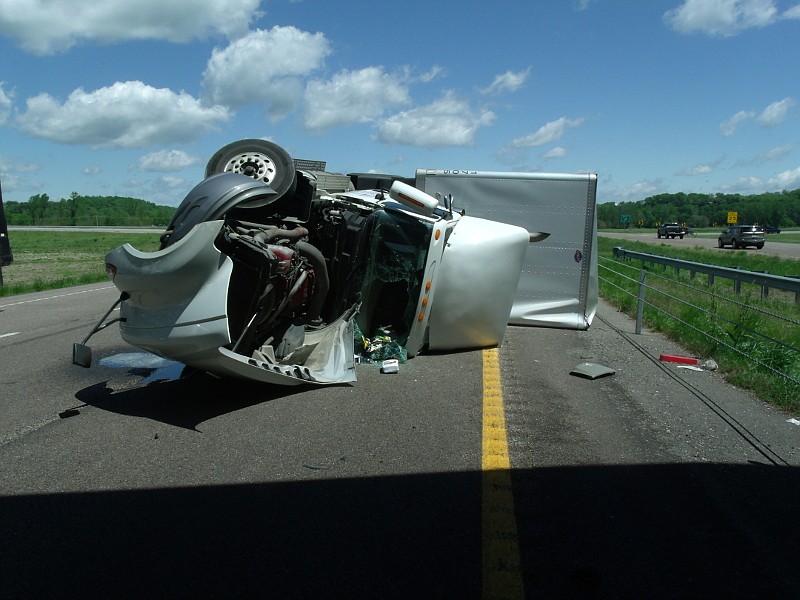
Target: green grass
{"points": [[45, 260], [723, 326]]}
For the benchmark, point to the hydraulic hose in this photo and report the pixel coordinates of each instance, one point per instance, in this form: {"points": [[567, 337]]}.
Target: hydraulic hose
{"points": [[321, 281]]}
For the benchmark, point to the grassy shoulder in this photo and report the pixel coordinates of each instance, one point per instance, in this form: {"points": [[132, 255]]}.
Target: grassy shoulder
{"points": [[753, 340], [45, 260]]}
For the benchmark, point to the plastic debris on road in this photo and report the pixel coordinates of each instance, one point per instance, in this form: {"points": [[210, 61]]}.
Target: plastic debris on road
{"points": [[390, 366], [684, 360]]}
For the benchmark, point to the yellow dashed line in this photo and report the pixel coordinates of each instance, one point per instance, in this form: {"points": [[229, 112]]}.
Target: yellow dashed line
{"points": [[502, 577]]}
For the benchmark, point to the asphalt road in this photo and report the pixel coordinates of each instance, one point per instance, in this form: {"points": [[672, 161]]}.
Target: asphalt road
{"points": [[132, 479], [772, 246]]}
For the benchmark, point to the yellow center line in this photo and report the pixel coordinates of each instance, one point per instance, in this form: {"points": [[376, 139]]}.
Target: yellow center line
{"points": [[502, 576]]}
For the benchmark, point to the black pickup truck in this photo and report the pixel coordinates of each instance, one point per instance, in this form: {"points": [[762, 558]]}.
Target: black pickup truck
{"points": [[671, 230]]}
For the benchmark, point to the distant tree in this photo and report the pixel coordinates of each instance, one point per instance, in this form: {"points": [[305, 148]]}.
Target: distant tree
{"points": [[37, 206]]}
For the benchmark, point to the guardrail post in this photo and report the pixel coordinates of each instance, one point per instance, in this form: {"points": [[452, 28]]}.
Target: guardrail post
{"points": [[640, 302], [764, 287], [737, 284]]}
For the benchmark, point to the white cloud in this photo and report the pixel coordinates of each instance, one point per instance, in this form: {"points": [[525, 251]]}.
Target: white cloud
{"points": [[508, 82], [265, 67], [729, 127], [696, 170], [786, 180], [776, 112], [128, 114], [721, 18], [166, 161], [778, 152], [92, 170], [557, 152], [172, 182], [11, 182], [550, 132], [773, 154], [637, 190], [6, 103], [49, 26], [792, 13], [428, 76], [746, 185], [447, 121], [352, 97]]}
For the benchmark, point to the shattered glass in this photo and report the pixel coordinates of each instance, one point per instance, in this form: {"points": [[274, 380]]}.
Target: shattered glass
{"points": [[392, 284]]}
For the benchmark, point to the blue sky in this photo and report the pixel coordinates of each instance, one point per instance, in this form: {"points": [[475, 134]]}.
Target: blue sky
{"points": [[115, 97]]}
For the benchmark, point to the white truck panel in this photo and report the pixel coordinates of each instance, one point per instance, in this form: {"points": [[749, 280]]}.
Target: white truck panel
{"points": [[558, 285]]}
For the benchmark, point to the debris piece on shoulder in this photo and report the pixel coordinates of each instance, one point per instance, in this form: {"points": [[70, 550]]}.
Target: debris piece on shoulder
{"points": [[590, 370], [709, 364], [683, 360]]}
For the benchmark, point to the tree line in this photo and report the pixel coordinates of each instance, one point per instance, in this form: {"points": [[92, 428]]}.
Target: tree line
{"points": [[781, 209], [87, 211]]}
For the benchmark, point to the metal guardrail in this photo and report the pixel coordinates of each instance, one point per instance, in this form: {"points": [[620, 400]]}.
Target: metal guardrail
{"points": [[738, 276]]}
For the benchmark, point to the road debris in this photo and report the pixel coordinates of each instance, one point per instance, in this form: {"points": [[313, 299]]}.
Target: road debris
{"points": [[390, 366], [590, 370]]}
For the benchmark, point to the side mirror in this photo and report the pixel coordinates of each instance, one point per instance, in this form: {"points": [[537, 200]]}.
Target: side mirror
{"points": [[81, 355]]}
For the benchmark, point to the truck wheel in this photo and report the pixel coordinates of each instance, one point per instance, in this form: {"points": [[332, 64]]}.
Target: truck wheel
{"points": [[760, 246], [659, 235], [681, 237], [259, 159], [735, 245], [720, 244]]}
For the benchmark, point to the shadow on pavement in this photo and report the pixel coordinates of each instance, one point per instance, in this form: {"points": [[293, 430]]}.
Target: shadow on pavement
{"points": [[184, 402], [671, 531]]}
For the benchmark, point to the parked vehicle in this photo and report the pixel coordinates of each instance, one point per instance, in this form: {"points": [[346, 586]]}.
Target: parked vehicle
{"points": [[671, 230], [771, 229], [741, 236]]}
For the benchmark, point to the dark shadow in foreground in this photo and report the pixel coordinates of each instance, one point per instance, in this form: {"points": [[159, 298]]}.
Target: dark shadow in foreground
{"points": [[671, 531]]}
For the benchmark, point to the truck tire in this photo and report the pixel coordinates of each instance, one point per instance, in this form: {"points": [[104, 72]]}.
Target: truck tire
{"points": [[259, 159]]}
